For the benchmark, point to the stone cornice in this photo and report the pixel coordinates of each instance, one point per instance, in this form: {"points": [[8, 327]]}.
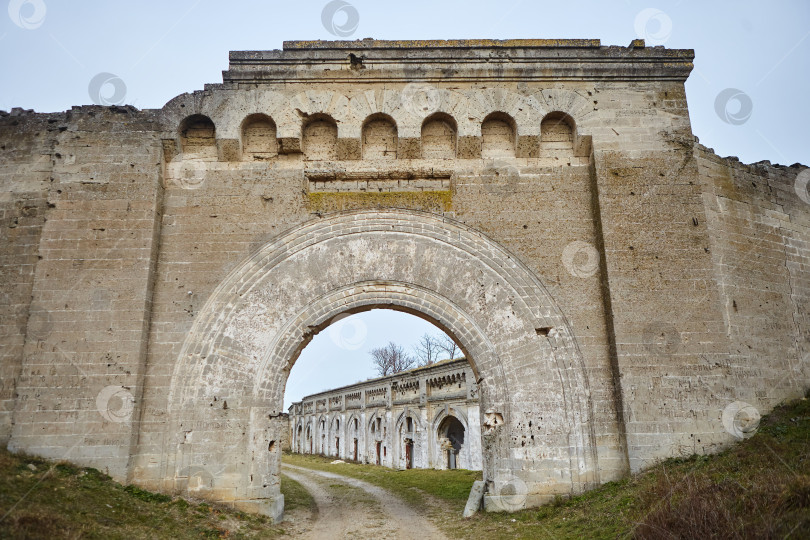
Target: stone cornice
{"points": [[458, 60], [445, 366]]}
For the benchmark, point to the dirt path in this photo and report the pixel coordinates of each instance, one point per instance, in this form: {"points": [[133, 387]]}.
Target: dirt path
{"points": [[351, 508]]}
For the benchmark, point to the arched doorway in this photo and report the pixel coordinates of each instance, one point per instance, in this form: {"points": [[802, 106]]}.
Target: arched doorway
{"points": [[354, 439], [251, 330], [335, 432], [376, 433], [451, 441], [407, 429]]}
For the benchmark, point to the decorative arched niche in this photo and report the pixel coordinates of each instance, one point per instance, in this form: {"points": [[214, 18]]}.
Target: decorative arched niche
{"points": [[439, 137], [319, 138], [498, 136], [198, 138], [379, 137], [259, 138]]}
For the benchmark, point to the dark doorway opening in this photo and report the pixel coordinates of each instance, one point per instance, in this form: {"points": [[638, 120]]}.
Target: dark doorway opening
{"points": [[451, 435]]}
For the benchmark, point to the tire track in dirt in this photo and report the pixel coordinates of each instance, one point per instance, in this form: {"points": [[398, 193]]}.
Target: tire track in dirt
{"points": [[348, 507]]}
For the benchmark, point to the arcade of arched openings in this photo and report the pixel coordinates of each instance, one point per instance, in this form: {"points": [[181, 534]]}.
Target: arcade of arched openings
{"points": [[422, 418]]}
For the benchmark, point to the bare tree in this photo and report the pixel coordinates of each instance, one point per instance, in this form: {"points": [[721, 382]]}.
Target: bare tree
{"points": [[391, 359], [427, 350], [448, 346]]}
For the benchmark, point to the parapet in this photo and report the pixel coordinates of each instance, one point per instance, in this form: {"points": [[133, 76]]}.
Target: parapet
{"points": [[370, 60]]}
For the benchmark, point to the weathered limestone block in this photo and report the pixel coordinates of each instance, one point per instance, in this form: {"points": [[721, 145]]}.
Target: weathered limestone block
{"points": [[622, 294]]}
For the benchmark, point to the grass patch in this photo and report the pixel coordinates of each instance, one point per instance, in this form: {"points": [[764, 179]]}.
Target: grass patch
{"points": [[295, 496], [41, 499], [759, 488], [411, 485]]}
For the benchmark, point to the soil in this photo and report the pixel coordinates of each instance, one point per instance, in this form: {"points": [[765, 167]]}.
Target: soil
{"points": [[351, 508]]}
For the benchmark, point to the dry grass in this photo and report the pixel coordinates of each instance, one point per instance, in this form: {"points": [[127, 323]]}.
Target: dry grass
{"points": [[759, 488], [64, 501]]}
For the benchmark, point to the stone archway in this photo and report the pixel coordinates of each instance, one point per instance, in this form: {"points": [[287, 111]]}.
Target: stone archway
{"points": [[436, 431], [406, 425], [253, 327], [453, 435]]}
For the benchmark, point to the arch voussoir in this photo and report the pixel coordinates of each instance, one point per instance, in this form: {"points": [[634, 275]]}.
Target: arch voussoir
{"points": [[252, 329]]}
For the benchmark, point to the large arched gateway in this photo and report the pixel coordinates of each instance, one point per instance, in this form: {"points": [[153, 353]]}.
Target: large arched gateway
{"points": [[622, 294], [250, 332]]}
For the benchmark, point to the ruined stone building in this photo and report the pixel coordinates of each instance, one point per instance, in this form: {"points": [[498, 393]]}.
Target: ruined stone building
{"points": [[422, 418], [622, 294]]}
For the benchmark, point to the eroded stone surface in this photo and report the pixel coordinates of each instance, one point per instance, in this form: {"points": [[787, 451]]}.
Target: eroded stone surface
{"points": [[615, 285]]}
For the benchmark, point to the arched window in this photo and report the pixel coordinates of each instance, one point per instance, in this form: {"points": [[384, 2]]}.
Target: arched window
{"points": [[198, 137], [259, 138], [439, 137], [557, 134], [379, 137], [320, 138], [498, 134]]}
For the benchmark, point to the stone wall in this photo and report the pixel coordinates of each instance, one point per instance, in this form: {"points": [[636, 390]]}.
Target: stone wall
{"points": [[384, 415], [622, 294], [760, 235]]}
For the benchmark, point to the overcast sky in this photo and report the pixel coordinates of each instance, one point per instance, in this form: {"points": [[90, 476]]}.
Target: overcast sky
{"points": [[747, 93]]}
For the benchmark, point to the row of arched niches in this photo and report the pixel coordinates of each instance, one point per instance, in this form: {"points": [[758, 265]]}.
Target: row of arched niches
{"points": [[379, 140]]}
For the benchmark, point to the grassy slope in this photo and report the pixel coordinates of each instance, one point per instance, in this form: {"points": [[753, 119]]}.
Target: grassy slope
{"points": [[453, 486], [758, 488], [63, 501]]}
